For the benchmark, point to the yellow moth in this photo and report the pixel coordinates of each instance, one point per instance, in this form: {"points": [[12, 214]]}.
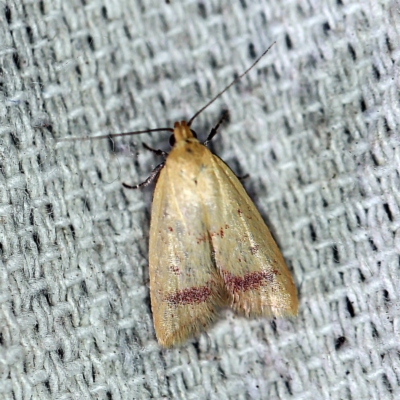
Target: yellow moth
{"points": [[209, 246]]}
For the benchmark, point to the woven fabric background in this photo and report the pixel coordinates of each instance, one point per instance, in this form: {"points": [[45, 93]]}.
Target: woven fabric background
{"points": [[315, 125]]}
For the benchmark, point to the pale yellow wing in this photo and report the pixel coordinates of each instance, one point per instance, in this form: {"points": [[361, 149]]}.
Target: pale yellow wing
{"points": [[209, 247], [186, 288], [247, 256]]}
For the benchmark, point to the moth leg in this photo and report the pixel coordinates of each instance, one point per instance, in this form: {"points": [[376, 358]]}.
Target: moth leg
{"points": [[243, 177], [214, 130], [147, 182], [155, 151]]}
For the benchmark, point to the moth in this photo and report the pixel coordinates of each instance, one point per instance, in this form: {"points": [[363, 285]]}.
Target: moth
{"points": [[209, 247]]}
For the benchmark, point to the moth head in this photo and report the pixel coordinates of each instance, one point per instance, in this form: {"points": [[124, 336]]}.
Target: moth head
{"points": [[181, 132]]}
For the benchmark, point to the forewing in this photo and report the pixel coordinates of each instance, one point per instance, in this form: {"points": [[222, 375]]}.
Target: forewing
{"points": [[185, 286], [247, 256]]}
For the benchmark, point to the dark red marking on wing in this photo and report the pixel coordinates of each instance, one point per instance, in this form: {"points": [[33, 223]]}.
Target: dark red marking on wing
{"points": [[175, 269], [219, 233], [250, 281], [202, 238], [192, 295], [254, 249]]}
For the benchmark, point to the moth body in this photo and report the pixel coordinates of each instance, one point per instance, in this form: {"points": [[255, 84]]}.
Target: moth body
{"points": [[209, 247]]}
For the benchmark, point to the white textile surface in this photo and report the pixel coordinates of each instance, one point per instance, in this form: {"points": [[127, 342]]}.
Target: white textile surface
{"points": [[316, 127]]}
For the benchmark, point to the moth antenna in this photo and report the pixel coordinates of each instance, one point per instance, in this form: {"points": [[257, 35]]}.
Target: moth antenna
{"points": [[112, 135], [229, 86]]}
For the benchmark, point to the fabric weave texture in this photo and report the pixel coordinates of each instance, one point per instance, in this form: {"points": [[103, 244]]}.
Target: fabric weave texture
{"points": [[316, 127]]}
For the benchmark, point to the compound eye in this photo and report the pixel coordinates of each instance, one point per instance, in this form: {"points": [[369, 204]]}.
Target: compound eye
{"points": [[172, 140], [194, 133]]}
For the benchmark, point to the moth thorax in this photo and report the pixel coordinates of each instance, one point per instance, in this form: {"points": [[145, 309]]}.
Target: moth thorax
{"points": [[182, 131]]}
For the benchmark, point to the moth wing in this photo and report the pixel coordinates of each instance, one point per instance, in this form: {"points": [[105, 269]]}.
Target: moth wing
{"points": [[253, 269], [186, 289]]}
